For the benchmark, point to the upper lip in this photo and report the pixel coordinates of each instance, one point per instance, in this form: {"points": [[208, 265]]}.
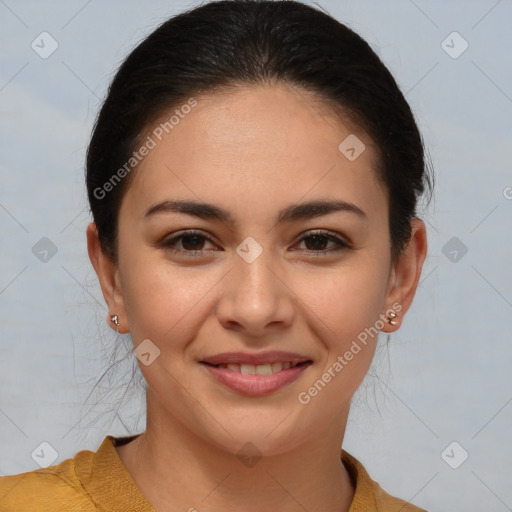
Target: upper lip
{"points": [[273, 356]]}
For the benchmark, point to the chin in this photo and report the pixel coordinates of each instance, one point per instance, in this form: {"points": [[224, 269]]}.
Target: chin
{"points": [[252, 438]]}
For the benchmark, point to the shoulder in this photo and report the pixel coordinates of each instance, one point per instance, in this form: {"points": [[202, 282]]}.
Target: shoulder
{"points": [[369, 495], [388, 503], [56, 488]]}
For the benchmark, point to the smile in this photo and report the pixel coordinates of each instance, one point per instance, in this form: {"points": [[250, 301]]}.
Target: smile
{"points": [[255, 374], [260, 369]]}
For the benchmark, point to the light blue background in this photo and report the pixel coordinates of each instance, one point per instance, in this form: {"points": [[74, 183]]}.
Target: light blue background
{"points": [[447, 374]]}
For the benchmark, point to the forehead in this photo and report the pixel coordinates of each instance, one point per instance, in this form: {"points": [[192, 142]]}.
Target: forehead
{"points": [[252, 146]]}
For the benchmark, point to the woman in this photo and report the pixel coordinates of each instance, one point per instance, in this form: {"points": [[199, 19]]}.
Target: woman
{"points": [[253, 176]]}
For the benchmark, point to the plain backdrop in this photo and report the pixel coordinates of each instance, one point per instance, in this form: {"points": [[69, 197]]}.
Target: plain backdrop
{"points": [[441, 393]]}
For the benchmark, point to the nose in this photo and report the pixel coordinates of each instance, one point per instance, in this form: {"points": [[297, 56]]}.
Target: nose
{"points": [[256, 298]]}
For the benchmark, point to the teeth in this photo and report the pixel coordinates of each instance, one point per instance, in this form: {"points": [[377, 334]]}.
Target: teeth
{"points": [[248, 369], [264, 369], [260, 369], [277, 367]]}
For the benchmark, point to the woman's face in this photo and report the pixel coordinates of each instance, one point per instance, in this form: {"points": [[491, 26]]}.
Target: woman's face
{"points": [[253, 278]]}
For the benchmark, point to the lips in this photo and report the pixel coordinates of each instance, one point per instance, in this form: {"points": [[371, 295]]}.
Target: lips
{"points": [[256, 374], [260, 369], [246, 358]]}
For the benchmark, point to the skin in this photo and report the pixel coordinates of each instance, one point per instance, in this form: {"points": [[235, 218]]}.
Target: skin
{"points": [[252, 151]]}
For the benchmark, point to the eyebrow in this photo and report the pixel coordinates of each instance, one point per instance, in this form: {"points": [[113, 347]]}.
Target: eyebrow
{"points": [[291, 213]]}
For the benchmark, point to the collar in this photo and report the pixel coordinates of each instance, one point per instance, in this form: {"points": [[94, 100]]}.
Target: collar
{"points": [[106, 465]]}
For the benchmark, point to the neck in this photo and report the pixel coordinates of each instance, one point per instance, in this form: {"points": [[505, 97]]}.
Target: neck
{"points": [[177, 470]]}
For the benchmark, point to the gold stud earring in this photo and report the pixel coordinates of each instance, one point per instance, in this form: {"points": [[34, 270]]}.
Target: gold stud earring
{"points": [[390, 316]]}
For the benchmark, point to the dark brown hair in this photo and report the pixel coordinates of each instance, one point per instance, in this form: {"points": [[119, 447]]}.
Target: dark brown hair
{"points": [[242, 42]]}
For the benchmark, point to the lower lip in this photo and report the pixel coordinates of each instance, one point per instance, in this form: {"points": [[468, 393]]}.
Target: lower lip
{"points": [[256, 385]]}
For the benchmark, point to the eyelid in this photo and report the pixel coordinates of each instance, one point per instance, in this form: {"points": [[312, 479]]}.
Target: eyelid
{"points": [[341, 242], [175, 237], [331, 235]]}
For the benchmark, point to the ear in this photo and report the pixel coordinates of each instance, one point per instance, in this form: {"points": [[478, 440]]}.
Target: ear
{"points": [[406, 273], [108, 276]]}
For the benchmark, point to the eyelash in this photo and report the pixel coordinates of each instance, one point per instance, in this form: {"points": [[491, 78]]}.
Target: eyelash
{"points": [[168, 243]]}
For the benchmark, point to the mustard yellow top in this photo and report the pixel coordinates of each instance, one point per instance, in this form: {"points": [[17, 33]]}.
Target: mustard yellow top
{"points": [[100, 482]]}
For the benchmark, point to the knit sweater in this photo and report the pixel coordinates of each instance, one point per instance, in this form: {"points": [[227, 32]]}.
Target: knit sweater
{"points": [[98, 481]]}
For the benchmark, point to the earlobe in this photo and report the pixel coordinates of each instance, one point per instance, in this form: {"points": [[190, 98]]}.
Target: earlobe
{"points": [[107, 272], [406, 273]]}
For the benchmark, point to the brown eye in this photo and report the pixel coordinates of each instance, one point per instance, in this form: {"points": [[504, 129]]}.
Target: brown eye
{"points": [[318, 243], [191, 242]]}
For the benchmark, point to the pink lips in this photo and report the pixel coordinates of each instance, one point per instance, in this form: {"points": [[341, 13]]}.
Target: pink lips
{"points": [[255, 385]]}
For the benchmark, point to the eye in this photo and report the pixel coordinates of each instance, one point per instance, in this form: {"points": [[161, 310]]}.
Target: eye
{"points": [[192, 243], [317, 241]]}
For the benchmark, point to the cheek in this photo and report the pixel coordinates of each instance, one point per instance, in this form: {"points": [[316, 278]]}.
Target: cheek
{"points": [[343, 301], [343, 308], [162, 299]]}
